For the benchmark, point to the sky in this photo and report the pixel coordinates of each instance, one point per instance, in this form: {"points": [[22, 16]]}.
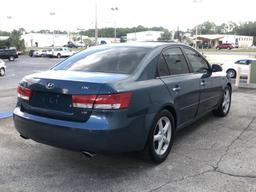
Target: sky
{"points": [[71, 15]]}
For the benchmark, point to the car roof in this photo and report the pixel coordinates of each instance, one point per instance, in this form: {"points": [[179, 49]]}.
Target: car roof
{"points": [[253, 59], [142, 44]]}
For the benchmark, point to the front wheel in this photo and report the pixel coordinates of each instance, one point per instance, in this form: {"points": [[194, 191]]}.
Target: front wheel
{"points": [[231, 73], [161, 137], [225, 104], [11, 58], [59, 55], [2, 72]]}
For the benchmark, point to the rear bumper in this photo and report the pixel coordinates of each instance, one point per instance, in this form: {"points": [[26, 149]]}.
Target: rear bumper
{"points": [[98, 134]]}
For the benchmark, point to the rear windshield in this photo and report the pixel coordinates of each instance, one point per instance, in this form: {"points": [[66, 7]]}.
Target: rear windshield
{"points": [[108, 60]]}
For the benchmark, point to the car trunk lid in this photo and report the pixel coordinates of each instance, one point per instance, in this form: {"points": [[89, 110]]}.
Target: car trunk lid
{"points": [[53, 93]]}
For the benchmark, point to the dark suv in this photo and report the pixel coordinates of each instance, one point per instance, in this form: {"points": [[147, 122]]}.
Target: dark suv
{"points": [[8, 53]]}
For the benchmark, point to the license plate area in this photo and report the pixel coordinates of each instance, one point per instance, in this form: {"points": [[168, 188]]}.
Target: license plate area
{"points": [[52, 101]]}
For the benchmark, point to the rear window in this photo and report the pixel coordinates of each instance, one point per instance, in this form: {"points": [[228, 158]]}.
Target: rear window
{"points": [[108, 60]]}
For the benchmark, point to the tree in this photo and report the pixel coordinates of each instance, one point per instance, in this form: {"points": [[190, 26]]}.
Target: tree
{"points": [[16, 41], [206, 28], [4, 33], [165, 36]]}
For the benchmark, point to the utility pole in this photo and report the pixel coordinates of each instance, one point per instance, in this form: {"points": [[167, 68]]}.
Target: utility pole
{"points": [[197, 1], [53, 38], [96, 23], [115, 9]]}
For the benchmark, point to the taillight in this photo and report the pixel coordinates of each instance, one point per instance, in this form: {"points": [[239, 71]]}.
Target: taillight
{"points": [[24, 93], [111, 101], [114, 101], [83, 101]]}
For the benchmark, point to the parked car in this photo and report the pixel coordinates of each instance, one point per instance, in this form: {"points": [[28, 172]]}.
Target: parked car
{"points": [[60, 52], [120, 98], [31, 52], [8, 53], [2, 67], [232, 68], [225, 46], [71, 45], [37, 53], [235, 45]]}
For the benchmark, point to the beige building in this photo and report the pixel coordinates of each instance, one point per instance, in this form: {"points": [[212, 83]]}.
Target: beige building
{"points": [[214, 40]]}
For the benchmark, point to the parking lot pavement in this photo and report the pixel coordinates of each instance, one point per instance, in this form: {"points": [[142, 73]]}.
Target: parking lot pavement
{"points": [[215, 154], [15, 71]]}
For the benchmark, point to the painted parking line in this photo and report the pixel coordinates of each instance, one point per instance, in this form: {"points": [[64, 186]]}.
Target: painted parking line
{"points": [[4, 115]]}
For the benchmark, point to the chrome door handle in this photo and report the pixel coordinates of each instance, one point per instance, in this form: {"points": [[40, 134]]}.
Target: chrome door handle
{"points": [[176, 89]]}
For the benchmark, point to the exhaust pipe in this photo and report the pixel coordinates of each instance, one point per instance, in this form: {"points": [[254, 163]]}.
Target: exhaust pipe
{"points": [[88, 154]]}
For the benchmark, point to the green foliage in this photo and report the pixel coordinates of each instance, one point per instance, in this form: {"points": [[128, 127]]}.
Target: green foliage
{"points": [[15, 40], [4, 33], [109, 31], [3, 43], [247, 28], [165, 36]]}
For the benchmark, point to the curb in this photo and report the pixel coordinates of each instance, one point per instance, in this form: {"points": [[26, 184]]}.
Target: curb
{"points": [[4, 115]]}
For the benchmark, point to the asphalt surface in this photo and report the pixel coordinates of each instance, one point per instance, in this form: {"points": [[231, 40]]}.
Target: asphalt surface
{"points": [[15, 71], [215, 154]]}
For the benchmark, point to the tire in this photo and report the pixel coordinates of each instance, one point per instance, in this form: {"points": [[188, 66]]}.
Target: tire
{"points": [[2, 72], [11, 58], [231, 73], [225, 103], [59, 55], [160, 137]]}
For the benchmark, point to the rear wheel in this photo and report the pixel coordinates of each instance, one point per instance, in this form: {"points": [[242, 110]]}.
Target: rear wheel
{"points": [[11, 58], [161, 137], [59, 55], [2, 72], [225, 104], [231, 73]]}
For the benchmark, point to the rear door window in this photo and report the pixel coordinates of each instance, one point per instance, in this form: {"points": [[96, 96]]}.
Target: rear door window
{"points": [[162, 67], [199, 65], [176, 61]]}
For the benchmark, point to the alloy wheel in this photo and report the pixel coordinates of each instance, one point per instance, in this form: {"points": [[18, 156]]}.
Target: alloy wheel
{"points": [[2, 72], [226, 101], [162, 135]]}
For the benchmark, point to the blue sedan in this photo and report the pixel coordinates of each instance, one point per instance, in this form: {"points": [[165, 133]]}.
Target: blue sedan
{"points": [[120, 98]]}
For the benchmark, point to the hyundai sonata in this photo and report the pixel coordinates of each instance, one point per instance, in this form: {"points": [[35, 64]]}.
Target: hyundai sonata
{"points": [[120, 98]]}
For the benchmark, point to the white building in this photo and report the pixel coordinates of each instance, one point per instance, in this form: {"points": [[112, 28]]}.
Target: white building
{"points": [[4, 38], [144, 36], [45, 40], [214, 40]]}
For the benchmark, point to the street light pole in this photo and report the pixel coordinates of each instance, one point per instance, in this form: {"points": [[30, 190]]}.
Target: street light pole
{"points": [[115, 9], [53, 38], [96, 23], [9, 18], [197, 1]]}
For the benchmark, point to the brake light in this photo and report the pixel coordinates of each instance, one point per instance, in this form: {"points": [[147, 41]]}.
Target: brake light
{"points": [[24, 93], [114, 101], [111, 101], [83, 101]]}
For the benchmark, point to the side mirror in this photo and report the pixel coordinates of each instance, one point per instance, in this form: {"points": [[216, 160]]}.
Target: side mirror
{"points": [[216, 68]]}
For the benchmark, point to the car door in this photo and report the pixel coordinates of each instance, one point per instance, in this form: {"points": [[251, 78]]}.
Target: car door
{"points": [[243, 65], [65, 52], [183, 86], [210, 83]]}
